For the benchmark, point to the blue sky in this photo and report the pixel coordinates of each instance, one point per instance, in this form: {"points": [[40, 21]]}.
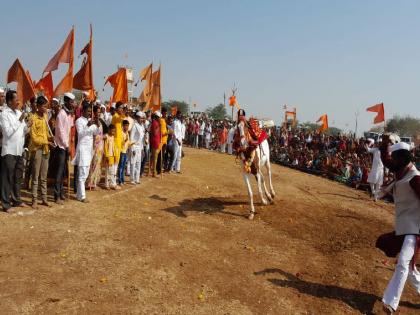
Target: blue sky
{"points": [[333, 57]]}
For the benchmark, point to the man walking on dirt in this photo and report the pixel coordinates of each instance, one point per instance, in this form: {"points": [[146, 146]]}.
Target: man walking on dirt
{"points": [[406, 192]]}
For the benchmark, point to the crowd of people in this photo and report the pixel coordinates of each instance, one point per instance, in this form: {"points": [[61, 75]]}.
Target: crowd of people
{"points": [[105, 145], [344, 158]]}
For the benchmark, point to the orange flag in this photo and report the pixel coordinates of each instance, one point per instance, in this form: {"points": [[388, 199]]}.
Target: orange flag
{"points": [[83, 80], [63, 55], [45, 84], [146, 74], [30, 79], [379, 109], [118, 81], [234, 102], [324, 120], [155, 98], [25, 89], [174, 110]]}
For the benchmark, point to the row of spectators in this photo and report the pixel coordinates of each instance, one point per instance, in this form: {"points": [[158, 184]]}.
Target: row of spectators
{"points": [[338, 157]]}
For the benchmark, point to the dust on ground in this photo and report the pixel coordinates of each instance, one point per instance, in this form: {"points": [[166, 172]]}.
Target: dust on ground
{"points": [[183, 245]]}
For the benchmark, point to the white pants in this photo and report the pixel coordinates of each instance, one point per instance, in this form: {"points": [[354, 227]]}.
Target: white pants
{"points": [[195, 141], [402, 271], [375, 188], [230, 151], [111, 175], [223, 147], [135, 164], [176, 164], [81, 180], [207, 141]]}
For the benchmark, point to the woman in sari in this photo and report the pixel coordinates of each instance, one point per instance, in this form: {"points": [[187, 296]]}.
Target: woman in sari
{"points": [[95, 172]]}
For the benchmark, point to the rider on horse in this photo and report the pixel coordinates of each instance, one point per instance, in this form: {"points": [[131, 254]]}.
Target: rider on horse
{"points": [[248, 136]]}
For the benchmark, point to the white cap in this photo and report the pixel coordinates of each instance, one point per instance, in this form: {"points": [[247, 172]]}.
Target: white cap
{"points": [[113, 105], [86, 93], [400, 146], [158, 113], [69, 95], [1, 89], [371, 141], [103, 106], [140, 114], [55, 100]]}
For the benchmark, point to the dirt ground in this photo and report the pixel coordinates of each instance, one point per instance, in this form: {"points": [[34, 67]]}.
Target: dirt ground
{"points": [[183, 245]]}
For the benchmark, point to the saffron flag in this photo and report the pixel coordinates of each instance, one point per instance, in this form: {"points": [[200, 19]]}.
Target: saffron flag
{"points": [[24, 89], [63, 55], [83, 80], [118, 81], [234, 102], [146, 74], [324, 120], [30, 79], [379, 109], [45, 85], [155, 98]]}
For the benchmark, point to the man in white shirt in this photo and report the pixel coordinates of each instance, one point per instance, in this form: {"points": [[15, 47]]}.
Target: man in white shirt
{"points": [[106, 116], [179, 131], [2, 98], [230, 137], [146, 147], [14, 128], [137, 140], [201, 134], [86, 129]]}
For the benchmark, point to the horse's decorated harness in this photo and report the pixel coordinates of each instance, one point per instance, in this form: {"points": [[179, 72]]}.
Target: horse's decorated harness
{"points": [[245, 145]]}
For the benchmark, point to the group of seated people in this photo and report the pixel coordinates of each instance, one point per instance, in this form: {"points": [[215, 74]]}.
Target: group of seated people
{"points": [[338, 157]]}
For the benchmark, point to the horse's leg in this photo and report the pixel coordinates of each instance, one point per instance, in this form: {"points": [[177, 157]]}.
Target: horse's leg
{"points": [[270, 199], [251, 201], [272, 192], [258, 176]]}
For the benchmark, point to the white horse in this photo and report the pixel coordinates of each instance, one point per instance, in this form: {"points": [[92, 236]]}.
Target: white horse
{"points": [[259, 160]]}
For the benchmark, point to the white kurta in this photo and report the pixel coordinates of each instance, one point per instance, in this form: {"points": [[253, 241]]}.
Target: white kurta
{"points": [[84, 149], [376, 175], [137, 138]]}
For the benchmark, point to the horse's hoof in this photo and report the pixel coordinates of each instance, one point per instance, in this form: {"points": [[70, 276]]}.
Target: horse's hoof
{"points": [[273, 194], [251, 216], [264, 202], [272, 201]]}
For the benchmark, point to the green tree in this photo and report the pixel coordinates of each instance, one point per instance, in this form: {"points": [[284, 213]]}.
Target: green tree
{"points": [[217, 112], [181, 105], [404, 126]]}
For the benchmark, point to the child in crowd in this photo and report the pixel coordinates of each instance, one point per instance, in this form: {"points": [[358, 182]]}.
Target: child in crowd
{"points": [[123, 155], [110, 154]]}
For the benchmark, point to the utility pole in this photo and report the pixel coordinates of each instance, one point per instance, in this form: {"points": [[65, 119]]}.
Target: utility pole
{"points": [[355, 129]]}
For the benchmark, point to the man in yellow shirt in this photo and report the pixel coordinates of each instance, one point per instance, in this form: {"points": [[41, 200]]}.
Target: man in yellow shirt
{"points": [[40, 140], [163, 141]]}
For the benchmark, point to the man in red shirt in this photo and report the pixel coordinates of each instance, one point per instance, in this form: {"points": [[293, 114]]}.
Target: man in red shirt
{"points": [[155, 145]]}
